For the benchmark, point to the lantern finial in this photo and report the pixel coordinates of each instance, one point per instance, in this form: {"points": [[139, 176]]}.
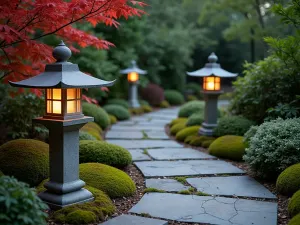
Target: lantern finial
{"points": [[61, 53], [133, 64], [213, 58]]}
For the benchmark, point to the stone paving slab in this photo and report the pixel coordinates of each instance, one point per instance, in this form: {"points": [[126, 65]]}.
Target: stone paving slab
{"points": [[133, 144], [157, 135], [152, 123], [138, 155], [186, 168], [127, 123], [137, 128], [124, 135], [236, 185], [178, 153], [166, 185], [206, 209], [134, 220]]}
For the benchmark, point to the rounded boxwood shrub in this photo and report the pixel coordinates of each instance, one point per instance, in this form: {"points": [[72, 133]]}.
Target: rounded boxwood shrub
{"points": [[181, 135], [112, 119], [232, 125], [92, 126], [177, 127], [190, 108], [85, 136], [100, 115], [118, 101], [288, 181], [295, 220], [294, 204], [153, 94], [178, 120], [101, 207], [103, 152], [20, 204], [274, 147], [164, 104], [147, 108], [25, 159], [192, 98], [174, 97], [188, 139], [195, 119], [144, 103], [118, 111], [114, 182], [228, 147], [136, 111], [198, 140], [207, 143]]}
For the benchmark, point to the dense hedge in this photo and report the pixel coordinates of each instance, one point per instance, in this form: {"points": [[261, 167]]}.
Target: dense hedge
{"points": [[174, 97], [228, 147], [190, 108], [294, 204], [153, 94], [232, 125], [118, 111], [25, 159], [115, 183], [181, 135], [288, 181], [274, 147], [118, 101], [100, 115], [195, 119], [103, 152]]}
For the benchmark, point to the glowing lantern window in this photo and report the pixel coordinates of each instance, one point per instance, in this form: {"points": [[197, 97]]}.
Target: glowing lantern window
{"points": [[212, 83], [133, 77]]}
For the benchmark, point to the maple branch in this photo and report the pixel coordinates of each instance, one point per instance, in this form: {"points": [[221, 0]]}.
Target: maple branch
{"points": [[28, 23], [5, 53], [6, 74]]}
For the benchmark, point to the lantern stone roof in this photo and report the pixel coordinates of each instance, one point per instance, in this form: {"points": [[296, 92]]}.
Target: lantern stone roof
{"points": [[212, 68], [62, 74], [133, 68]]}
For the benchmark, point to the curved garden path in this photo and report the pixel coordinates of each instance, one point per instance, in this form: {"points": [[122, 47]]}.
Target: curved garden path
{"points": [[226, 196]]}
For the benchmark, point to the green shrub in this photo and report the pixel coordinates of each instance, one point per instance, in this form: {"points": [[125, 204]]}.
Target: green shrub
{"points": [[195, 119], [194, 89], [177, 127], [181, 135], [86, 136], [153, 94], [144, 103], [174, 97], [100, 115], [118, 101], [164, 104], [103, 152], [188, 139], [192, 98], [198, 140], [118, 111], [112, 119], [228, 147], [274, 147], [115, 183], [295, 220], [294, 204], [207, 143], [81, 217], [232, 125], [147, 108], [288, 181], [92, 129], [1, 174], [101, 207], [190, 108], [25, 159], [20, 204], [178, 120], [136, 111], [250, 134]]}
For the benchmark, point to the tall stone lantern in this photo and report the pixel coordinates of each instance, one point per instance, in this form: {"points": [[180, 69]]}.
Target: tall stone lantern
{"points": [[212, 74], [133, 73], [63, 117]]}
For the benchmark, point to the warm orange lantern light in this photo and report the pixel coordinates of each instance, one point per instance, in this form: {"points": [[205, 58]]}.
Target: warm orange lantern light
{"points": [[133, 77], [212, 84], [63, 103]]}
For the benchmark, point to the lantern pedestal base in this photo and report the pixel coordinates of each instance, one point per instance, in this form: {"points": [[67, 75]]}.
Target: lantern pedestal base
{"points": [[206, 129], [133, 96]]}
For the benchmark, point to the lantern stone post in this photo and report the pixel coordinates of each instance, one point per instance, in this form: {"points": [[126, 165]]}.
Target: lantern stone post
{"points": [[63, 82], [133, 73], [212, 74]]}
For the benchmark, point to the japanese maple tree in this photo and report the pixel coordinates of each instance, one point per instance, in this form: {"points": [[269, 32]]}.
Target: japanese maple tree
{"points": [[24, 22]]}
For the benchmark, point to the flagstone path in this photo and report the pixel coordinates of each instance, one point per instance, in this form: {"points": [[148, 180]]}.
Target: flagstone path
{"points": [[229, 196]]}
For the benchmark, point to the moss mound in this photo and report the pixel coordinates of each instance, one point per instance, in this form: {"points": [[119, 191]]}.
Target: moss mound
{"points": [[294, 204], [188, 139], [198, 140], [178, 120], [288, 181], [174, 97], [207, 143], [100, 116], [177, 127], [195, 120], [90, 212], [112, 119], [118, 101], [181, 135], [190, 108], [103, 152], [25, 159], [295, 220], [228, 147], [86, 136], [115, 183], [136, 111], [147, 108], [118, 111], [144, 103], [92, 129], [164, 104]]}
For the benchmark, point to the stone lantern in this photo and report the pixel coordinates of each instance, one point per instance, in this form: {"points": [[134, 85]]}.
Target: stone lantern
{"points": [[63, 117], [212, 74], [133, 73]]}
